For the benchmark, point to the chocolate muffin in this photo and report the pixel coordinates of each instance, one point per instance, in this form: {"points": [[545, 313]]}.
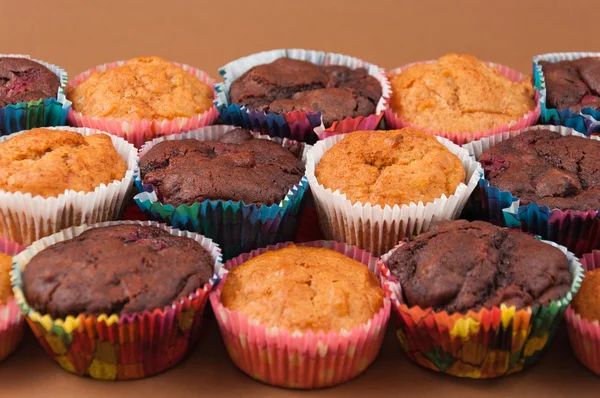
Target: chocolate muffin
{"points": [[122, 269], [237, 167], [287, 84], [459, 266], [546, 168], [573, 85], [24, 80]]}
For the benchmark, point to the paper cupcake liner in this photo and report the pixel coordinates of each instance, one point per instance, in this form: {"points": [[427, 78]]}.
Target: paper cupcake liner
{"points": [[139, 131], [301, 360], [297, 125], [583, 334], [378, 229], [479, 344], [579, 231], [113, 347], [587, 120], [41, 113], [394, 121], [11, 321], [25, 219], [237, 227]]}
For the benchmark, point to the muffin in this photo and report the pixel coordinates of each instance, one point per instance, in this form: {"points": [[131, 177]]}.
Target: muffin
{"points": [[235, 167], [138, 287], [25, 80], [294, 301], [11, 320], [142, 98], [390, 168], [5, 289], [303, 95], [585, 302], [460, 98], [60, 177], [374, 188], [572, 85], [242, 189], [509, 284]]}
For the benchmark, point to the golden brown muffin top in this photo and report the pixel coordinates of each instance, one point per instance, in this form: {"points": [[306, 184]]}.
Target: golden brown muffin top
{"points": [[459, 93], [142, 88], [304, 288], [393, 167], [587, 300], [47, 162], [5, 288]]}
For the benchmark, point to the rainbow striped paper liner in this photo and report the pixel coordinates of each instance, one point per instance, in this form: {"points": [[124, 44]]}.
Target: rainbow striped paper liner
{"points": [[297, 125], [11, 321], [25, 218], [394, 121], [295, 359], [44, 112], [579, 231], [378, 229], [118, 347], [584, 335], [479, 344], [138, 132], [587, 120], [236, 226]]}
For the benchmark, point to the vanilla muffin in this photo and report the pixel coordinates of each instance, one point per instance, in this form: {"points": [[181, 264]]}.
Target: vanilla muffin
{"points": [[459, 93], [303, 288], [142, 88], [586, 302], [393, 167], [47, 162], [5, 289]]}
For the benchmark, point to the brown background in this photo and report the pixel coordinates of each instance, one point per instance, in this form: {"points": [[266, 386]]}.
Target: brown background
{"points": [[79, 34]]}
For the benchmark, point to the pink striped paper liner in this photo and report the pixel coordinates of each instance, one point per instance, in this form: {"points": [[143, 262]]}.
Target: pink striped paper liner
{"points": [[11, 320], [301, 360], [139, 131], [395, 121], [583, 334]]}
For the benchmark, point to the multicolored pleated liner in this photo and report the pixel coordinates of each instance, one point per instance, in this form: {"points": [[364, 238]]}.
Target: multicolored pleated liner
{"points": [[11, 320], [41, 113], [479, 344], [587, 121], [296, 125], [294, 359], [113, 347], [138, 132], [578, 231], [584, 335], [236, 226], [394, 121]]}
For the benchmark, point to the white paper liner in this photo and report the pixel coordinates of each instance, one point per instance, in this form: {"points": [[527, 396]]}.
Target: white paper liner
{"points": [[378, 229], [25, 219]]}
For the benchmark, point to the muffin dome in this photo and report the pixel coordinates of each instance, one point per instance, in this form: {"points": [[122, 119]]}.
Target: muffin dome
{"points": [[586, 302]]}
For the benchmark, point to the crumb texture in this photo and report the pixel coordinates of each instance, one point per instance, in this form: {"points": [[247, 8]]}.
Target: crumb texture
{"points": [[587, 300], [573, 85], [5, 288], [24, 80]]}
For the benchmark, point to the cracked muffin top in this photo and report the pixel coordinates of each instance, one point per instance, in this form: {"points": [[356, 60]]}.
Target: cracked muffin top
{"points": [[122, 269], [459, 93], [24, 80], [586, 301], [5, 287], [142, 88], [459, 266], [47, 162], [546, 168], [304, 288], [237, 167], [393, 167], [287, 85], [573, 85]]}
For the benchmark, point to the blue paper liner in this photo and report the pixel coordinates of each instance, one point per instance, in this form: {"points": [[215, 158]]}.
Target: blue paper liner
{"points": [[586, 121], [41, 113], [236, 226]]}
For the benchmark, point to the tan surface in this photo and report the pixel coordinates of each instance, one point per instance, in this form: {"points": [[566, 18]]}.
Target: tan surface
{"points": [[459, 93], [5, 289], [304, 288], [586, 302], [393, 167], [48, 162], [207, 34]]}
